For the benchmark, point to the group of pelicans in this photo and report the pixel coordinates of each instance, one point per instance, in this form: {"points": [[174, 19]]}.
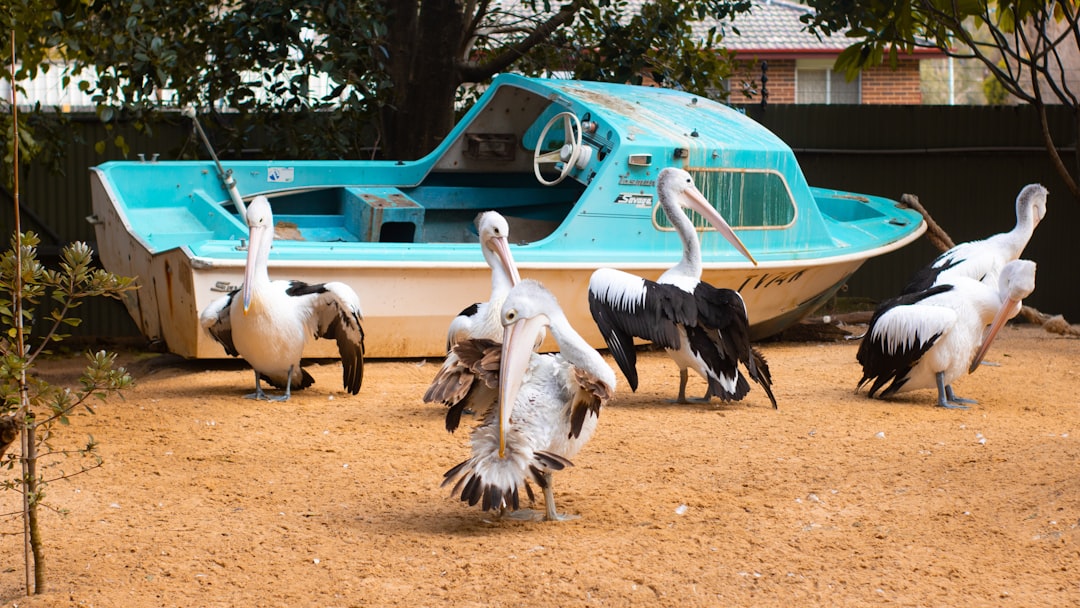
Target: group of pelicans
{"points": [[537, 410]]}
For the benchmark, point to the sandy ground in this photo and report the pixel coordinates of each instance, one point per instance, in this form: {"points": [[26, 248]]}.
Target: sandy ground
{"points": [[207, 499]]}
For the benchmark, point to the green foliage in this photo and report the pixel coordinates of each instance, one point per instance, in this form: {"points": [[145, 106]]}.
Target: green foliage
{"points": [[657, 44], [48, 299], [36, 304], [245, 65], [63, 289]]}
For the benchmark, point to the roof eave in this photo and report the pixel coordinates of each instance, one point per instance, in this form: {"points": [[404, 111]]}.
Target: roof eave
{"points": [[775, 53]]}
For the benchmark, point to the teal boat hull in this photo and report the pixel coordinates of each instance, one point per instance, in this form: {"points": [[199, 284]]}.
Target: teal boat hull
{"points": [[402, 235]]}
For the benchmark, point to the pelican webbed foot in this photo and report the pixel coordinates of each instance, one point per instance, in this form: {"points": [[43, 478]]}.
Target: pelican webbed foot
{"points": [[952, 397], [534, 515], [681, 399], [550, 514], [946, 398], [522, 515], [260, 395]]}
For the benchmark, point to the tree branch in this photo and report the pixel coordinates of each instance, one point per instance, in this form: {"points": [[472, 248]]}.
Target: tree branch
{"points": [[472, 71]]}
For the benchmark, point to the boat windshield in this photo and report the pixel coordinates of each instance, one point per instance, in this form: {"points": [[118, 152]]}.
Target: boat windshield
{"points": [[745, 198]]}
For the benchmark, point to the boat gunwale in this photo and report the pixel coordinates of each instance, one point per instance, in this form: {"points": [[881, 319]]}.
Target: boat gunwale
{"points": [[203, 262]]}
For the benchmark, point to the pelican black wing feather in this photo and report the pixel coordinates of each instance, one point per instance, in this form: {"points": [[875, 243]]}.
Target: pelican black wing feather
{"points": [[655, 317], [884, 365], [219, 324], [924, 278], [759, 372], [712, 347], [591, 395], [472, 382], [473, 489], [339, 320], [722, 339]]}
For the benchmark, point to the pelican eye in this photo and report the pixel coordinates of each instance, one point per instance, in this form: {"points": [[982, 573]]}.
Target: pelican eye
{"points": [[511, 315]]}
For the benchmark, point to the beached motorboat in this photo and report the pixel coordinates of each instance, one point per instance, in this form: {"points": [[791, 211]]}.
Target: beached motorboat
{"points": [[571, 164]]}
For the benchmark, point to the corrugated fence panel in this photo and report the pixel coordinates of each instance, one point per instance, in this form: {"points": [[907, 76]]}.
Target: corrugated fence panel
{"points": [[56, 206], [966, 165]]}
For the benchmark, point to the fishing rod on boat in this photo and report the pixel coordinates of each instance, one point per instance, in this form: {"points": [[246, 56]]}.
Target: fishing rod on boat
{"points": [[226, 175]]}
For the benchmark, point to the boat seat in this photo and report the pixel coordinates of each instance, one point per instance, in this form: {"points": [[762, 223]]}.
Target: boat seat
{"points": [[383, 215]]}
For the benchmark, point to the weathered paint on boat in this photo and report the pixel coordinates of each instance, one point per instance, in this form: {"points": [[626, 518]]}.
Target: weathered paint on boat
{"points": [[401, 234]]}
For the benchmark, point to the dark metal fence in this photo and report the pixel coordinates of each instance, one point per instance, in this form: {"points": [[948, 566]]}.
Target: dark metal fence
{"points": [[966, 165]]}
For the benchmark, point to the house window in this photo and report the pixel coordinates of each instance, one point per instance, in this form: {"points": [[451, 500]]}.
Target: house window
{"points": [[816, 82]]}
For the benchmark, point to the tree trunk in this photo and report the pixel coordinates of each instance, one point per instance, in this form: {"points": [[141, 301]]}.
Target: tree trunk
{"points": [[424, 42], [31, 489]]}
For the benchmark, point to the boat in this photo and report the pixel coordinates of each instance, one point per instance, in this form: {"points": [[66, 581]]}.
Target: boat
{"points": [[571, 164]]}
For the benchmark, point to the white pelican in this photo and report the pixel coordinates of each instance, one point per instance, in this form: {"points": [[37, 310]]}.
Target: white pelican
{"points": [[546, 407], [270, 321], [700, 326], [481, 320], [931, 338], [982, 260]]}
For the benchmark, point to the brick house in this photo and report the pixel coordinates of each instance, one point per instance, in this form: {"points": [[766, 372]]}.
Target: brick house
{"points": [[800, 65]]}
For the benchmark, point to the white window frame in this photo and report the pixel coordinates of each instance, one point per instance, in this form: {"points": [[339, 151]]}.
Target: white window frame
{"points": [[827, 66]]}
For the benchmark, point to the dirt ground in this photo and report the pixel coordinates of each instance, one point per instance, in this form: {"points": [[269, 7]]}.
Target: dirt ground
{"points": [[208, 499]]}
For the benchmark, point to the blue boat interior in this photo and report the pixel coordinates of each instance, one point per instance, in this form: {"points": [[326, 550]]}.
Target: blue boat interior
{"points": [[442, 209]]}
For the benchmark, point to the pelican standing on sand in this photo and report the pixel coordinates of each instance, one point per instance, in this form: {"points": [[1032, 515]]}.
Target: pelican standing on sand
{"points": [[270, 321], [700, 326], [546, 409], [983, 260], [932, 338], [481, 320]]}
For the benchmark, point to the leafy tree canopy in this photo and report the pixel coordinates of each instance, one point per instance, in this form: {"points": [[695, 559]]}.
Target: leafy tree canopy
{"points": [[395, 67]]}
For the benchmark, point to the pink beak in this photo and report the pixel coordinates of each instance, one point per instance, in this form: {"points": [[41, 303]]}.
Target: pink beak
{"points": [[699, 203], [519, 339]]}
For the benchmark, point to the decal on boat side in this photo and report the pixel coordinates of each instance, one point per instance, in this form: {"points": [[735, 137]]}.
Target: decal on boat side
{"points": [[768, 279], [279, 174], [637, 200]]}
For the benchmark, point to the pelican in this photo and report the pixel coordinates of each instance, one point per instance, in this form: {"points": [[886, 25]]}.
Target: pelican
{"points": [[984, 259], [271, 320], [700, 326], [931, 338], [480, 320], [544, 410]]}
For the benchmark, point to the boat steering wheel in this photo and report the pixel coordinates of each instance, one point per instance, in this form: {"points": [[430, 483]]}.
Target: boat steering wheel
{"points": [[567, 155]]}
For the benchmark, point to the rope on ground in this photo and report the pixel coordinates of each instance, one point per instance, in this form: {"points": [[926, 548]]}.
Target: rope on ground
{"points": [[939, 238]]}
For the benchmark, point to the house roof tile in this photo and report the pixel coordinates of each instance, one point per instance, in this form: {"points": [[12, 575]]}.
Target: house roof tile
{"points": [[771, 26]]}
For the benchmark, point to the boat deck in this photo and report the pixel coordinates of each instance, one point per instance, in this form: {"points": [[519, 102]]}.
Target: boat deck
{"points": [[441, 210]]}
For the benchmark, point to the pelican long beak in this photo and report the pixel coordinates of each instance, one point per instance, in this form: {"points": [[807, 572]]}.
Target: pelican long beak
{"points": [[1009, 309], [502, 249], [256, 236], [517, 349], [699, 203]]}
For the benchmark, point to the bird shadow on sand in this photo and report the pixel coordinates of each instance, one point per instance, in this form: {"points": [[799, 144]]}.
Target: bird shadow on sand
{"points": [[443, 515], [651, 400], [237, 378]]}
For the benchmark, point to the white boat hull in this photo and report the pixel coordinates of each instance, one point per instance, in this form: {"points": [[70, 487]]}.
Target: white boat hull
{"points": [[407, 309]]}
